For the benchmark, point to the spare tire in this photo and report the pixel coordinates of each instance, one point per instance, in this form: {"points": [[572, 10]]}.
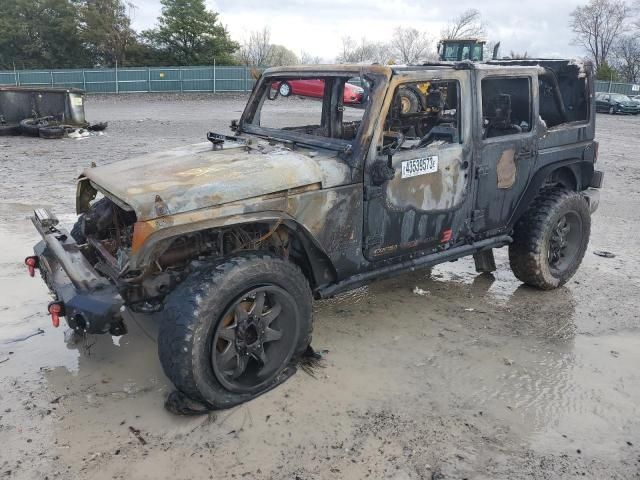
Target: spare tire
{"points": [[7, 129], [51, 132], [409, 101], [30, 126]]}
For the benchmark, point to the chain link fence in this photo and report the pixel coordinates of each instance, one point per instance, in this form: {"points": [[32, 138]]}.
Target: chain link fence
{"points": [[138, 79]]}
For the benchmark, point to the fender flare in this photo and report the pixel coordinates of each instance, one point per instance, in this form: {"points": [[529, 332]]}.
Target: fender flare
{"points": [[319, 268], [582, 171]]}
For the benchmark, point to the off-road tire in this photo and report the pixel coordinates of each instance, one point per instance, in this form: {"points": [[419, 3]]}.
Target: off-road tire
{"points": [[529, 252], [7, 129], [412, 101], [51, 132], [30, 126], [194, 309]]}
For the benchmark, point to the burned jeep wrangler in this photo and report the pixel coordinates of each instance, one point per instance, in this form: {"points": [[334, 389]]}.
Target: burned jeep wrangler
{"points": [[232, 239]]}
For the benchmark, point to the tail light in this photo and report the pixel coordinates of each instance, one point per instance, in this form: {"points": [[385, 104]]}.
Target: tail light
{"points": [[446, 236], [596, 150]]}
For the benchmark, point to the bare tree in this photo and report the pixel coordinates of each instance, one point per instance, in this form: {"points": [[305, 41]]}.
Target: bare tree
{"points": [[598, 25], [409, 45], [348, 50], [280, 55], [307, 59], [627, 58], [468, 24], [363, 51], [256, 50]]}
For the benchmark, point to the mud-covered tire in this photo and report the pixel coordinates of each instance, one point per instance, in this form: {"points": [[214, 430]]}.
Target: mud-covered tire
{"points": [[52, 133], [529, 254], [30, 126], [195, 310]]}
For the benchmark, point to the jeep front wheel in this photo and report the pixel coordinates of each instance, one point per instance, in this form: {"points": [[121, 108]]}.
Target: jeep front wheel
{"points": [[230, 332], [550, 240]]}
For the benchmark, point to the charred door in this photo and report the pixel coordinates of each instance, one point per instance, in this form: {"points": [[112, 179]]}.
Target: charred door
{"points": [[416, 187], [508, 149]]}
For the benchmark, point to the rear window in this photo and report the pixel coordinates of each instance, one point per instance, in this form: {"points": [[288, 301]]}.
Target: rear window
{"points": [[564, 97]]}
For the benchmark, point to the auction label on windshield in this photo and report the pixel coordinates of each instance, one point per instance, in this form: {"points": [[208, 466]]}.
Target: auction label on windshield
{"points": [[419, 166]]}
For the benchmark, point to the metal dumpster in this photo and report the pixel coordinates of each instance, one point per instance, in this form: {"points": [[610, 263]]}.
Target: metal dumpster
{"points": [[18, 103]]}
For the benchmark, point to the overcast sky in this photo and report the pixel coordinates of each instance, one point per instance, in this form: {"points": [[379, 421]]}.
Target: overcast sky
{"points": [[539, 27]]}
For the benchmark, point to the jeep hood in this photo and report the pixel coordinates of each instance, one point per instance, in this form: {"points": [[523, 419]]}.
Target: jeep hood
{"points": [[196, 176]]}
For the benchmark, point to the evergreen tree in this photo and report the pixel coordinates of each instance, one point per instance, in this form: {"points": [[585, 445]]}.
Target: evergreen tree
{"points": [[606, 72], [189, 34], [106, 31], [40, 34]]}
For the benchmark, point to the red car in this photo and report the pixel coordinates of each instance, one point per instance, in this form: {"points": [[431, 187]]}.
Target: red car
{"points": [[315, 88]]}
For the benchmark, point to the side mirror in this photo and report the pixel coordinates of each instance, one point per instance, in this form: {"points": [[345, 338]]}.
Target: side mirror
{"points": [[234, 125]]}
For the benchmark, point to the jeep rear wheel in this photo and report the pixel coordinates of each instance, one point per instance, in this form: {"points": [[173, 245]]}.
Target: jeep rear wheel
{"points": [[550, 240], [230, 332]]}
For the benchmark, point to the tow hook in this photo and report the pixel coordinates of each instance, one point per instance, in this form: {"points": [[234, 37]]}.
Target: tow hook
{"points": [[56, 309], [32, 264]]}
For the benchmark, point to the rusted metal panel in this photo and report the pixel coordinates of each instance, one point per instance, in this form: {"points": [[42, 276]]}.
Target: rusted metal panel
{"points": [[18, 103], [195, 177], [506, 169]]}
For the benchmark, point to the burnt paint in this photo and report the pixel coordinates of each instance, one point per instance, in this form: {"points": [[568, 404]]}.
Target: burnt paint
{"points": [[341, 219]]}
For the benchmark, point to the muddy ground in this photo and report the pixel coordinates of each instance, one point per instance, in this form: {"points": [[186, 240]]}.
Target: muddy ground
{"points": [[478, 378]]}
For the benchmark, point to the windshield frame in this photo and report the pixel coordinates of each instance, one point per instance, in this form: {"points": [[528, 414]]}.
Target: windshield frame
{"points": [[259, 96]]}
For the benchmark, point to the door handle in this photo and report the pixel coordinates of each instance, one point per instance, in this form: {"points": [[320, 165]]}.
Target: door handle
{"points": [[524, 154]]}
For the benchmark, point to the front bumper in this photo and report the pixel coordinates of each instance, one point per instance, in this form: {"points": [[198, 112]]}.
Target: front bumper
{"points": [[91, 303], [628, 110]]}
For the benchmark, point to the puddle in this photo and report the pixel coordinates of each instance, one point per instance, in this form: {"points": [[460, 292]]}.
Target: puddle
{"points": [[478, 375]]}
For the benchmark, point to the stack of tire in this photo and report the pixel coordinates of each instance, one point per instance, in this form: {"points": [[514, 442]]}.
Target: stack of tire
{"points": [[7, 129], [44, 127]]}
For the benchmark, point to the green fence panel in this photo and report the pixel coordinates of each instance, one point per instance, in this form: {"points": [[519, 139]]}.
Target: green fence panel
{"points": [[165, 79], [7, 78], [133, 80], [232, 79], [197, 79], [138, 79], [35, 79], [100, 81], [617, 87], [68, 78]]}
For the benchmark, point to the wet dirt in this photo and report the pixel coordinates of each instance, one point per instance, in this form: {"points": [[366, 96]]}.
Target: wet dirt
{"points": [[475, 376]]}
